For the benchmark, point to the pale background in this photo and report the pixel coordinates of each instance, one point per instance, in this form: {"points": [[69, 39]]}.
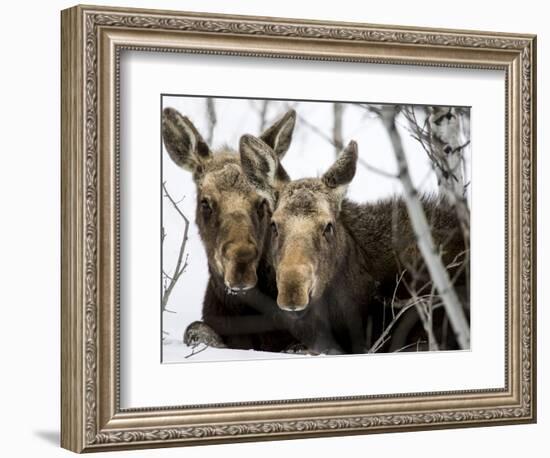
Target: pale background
{"points": [[29, 242], [310, 155]]}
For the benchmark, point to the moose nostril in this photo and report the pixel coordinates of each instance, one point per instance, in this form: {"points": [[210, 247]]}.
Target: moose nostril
{"points": [[294, 285], [241, 268]]}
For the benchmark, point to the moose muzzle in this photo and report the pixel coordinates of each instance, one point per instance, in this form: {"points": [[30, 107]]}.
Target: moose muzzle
{"points": [[240, 263], [294, 286]]}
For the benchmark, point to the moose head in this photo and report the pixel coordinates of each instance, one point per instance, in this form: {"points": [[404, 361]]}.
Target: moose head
{"points": [[306, 232], [232, 214]]}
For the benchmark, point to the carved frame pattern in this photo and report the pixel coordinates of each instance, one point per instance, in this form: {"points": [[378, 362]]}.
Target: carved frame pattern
{"points": [[85, 425]]}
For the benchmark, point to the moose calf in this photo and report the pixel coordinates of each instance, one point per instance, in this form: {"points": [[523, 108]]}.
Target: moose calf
{"points": [[232, 215], [336, 261]]}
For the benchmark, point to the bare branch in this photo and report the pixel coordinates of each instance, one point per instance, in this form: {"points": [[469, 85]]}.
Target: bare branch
{"points": [[263, 114], [445, 135], [330, 140], [424, 309], [174, 203], [438, 273], [441, 137], [337, 137], [212, 119], [417, 343], [374, 169], [383, 338], [370, 108], [196, 350], [181, 264]]}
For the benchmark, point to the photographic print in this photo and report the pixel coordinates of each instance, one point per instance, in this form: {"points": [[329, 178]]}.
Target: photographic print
{"points": [[301, 228]]}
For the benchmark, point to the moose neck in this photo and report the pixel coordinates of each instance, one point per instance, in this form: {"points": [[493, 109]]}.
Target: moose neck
{"points": [[336, 321], [379, 229], [351, 279]]}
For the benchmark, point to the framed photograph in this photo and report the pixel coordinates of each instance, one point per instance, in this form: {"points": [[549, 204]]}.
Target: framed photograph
{"points": [[277, 228]]}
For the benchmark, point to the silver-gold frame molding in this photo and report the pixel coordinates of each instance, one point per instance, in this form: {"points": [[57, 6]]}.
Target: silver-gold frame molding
{"points": [[92, 40]]}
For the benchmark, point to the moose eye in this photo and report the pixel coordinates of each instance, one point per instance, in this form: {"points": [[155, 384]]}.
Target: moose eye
{"points": [[328, 231], [205, 206], [274, 230]]}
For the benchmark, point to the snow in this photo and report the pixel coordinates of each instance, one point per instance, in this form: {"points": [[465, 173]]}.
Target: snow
{"points": [[175, 351]]}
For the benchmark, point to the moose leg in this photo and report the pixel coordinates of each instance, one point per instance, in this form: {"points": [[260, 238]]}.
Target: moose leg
{"points": [[224, 319], [356, 325], [200, 333], [324, 339]]}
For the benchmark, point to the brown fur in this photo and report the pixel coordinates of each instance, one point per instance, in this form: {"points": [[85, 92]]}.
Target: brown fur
{"points": [[337, 262], [321, 276], [233, 217], [383, 231]]}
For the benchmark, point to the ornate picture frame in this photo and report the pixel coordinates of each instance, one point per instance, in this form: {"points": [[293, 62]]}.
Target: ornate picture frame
{"points": [[92, 41]]}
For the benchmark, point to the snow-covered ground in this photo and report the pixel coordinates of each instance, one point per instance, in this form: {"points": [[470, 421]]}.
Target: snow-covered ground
{"points": [[175, 351]]}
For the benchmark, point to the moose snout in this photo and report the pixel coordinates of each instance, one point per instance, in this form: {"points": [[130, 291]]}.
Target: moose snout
{"points": [[242, 252], [294, 287], [240, 262]]}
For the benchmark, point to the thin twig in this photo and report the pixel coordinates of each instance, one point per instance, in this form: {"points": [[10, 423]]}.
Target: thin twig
{"points": [[212, 119], [337, 136], [263, 114], [399, 279], [385, 334], [181, 265], [419, 341], [193, 352], [361, 161]]}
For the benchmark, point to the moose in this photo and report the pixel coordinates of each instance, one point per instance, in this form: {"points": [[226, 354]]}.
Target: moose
{"points": [[232, 215], [337, 261]]}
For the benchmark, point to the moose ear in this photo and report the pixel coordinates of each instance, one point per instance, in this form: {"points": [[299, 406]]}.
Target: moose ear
{"points": [[279, 135], [259, 162], [183, 142], [343, 170]]}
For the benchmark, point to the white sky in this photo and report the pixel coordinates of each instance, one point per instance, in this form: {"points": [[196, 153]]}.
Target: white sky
{"points": [[309, 155]]}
